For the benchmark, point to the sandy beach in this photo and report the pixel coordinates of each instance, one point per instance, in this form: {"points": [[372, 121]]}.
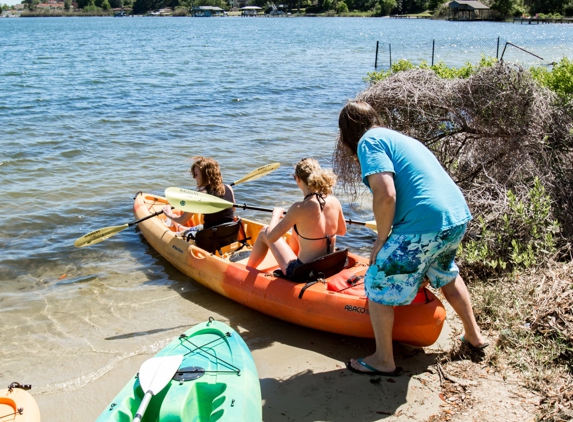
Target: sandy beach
{"points": [[302, 373]]}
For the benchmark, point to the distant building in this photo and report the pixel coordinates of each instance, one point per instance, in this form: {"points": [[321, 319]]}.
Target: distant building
{"points": [[10, 13], [50, 6], [467, 10], [121, 12], [167, 11], [206, 11], [250, 10]]}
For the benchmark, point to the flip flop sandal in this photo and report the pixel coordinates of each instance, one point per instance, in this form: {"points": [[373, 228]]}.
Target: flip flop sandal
{"points": [[472, 347], [372, 370]]}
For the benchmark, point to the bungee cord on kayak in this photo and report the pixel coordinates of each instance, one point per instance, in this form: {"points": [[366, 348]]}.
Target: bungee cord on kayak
{"points": [[196, 347]]}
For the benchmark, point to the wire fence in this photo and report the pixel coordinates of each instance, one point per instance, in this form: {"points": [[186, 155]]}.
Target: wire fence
{"points": [[456, 53]]}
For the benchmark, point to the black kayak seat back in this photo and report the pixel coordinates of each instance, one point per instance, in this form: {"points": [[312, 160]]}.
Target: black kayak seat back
{"points": [[322, 267], [216, 237]]}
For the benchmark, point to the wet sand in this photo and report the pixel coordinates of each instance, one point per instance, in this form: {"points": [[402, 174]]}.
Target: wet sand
{"points": [[301, 371]]}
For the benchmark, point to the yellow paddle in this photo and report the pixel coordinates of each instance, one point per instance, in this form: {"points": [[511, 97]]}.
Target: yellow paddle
{"points": [[258, 173], [102, 234], [197, 202]]}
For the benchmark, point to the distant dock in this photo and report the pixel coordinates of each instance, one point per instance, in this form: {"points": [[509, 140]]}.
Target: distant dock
{"points": [[537, 21], [409, 17]]}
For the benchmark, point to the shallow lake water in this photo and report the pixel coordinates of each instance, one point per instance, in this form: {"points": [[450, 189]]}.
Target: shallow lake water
{"points": [[93, 110]]}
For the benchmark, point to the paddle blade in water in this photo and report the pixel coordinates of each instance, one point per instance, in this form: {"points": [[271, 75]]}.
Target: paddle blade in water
{"points": [[195, 202], [99, 235]]}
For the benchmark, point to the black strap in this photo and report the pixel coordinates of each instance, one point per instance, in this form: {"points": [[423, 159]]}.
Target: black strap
{"points": [[322, 203], [319, 198], [306, 286], [327, 237], [243, 241], [190, 236]]}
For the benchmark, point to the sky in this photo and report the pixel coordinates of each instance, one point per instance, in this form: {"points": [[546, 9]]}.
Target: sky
{"points": [[10, 2]]}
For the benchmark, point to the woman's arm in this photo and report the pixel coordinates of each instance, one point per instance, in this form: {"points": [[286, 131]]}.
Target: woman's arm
{"points": [[232, 193], [383, 206], [179, 219], [341, 220], [279, 226], [232, 196]]}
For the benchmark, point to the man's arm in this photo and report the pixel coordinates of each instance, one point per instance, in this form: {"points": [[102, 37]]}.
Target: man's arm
{"points": [[383, 206]]}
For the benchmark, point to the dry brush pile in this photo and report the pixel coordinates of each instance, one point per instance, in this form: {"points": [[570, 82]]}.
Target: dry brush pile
{"points": [[508, 144]]}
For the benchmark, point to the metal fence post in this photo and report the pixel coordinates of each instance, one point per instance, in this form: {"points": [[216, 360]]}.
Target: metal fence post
{"points": [[497, 53], [376, 59], [390, 51], [433, 48]]}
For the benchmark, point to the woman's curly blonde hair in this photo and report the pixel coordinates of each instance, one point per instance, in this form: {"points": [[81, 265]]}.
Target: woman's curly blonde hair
{"points": [[316, 178], [211, 175]]}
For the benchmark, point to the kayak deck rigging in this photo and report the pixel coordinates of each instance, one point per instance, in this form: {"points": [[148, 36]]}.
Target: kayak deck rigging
{"points": [[186, 338]]}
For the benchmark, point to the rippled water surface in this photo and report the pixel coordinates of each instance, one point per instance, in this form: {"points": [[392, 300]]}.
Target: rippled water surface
{"points": [[93, 110]]}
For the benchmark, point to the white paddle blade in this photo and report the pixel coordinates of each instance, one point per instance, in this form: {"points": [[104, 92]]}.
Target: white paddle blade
{"points": [[258, 173], [195, 202], [99, 235], [156, 373]]}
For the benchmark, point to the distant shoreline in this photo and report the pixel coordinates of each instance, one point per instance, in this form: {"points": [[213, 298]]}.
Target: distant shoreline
{"points": [[113, 13]]}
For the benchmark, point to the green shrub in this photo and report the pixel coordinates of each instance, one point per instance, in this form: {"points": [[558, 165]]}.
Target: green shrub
{"points": [[558, 79], [440, 69], [341, 7], [522, 237], [91, 8], [181, 11]]}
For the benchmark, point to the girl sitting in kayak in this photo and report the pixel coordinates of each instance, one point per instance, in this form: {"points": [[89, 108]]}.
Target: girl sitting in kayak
{"points": [[207, 175], [316, 221]]}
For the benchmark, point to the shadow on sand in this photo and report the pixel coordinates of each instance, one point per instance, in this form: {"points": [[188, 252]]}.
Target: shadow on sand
{"points": [[310, 389]]}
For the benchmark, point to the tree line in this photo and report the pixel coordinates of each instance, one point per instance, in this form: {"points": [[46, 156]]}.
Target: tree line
{"points": [[502, 9]]}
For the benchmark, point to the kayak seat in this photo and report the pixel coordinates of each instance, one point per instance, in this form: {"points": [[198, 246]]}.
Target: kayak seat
{"points": [[321, 268], [216, 237]]}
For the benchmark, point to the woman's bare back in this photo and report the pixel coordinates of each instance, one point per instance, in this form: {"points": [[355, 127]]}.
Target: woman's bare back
{"points": [[314, 224]]}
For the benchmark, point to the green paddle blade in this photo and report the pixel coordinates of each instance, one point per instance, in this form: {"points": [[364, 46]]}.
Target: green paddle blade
{"points": [[195, 202], [258, 173], [99, 235]]}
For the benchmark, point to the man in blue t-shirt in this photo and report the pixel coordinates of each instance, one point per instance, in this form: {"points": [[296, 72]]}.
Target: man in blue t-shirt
{"points": [[421, 217]]}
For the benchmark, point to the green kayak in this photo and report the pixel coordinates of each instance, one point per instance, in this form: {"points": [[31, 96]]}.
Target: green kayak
{"points": [[207, 374]]}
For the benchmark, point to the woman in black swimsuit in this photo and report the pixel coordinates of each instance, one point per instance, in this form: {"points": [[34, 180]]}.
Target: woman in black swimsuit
{"points": [[316, 221], [207, 175]]}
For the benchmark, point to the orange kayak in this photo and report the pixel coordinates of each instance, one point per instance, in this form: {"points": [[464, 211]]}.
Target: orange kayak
{"points": [[17, 405], [331, 305]]}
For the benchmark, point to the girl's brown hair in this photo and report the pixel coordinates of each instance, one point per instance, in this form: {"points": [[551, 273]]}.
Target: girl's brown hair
{"points": [[316, 178], [211, 175]]}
